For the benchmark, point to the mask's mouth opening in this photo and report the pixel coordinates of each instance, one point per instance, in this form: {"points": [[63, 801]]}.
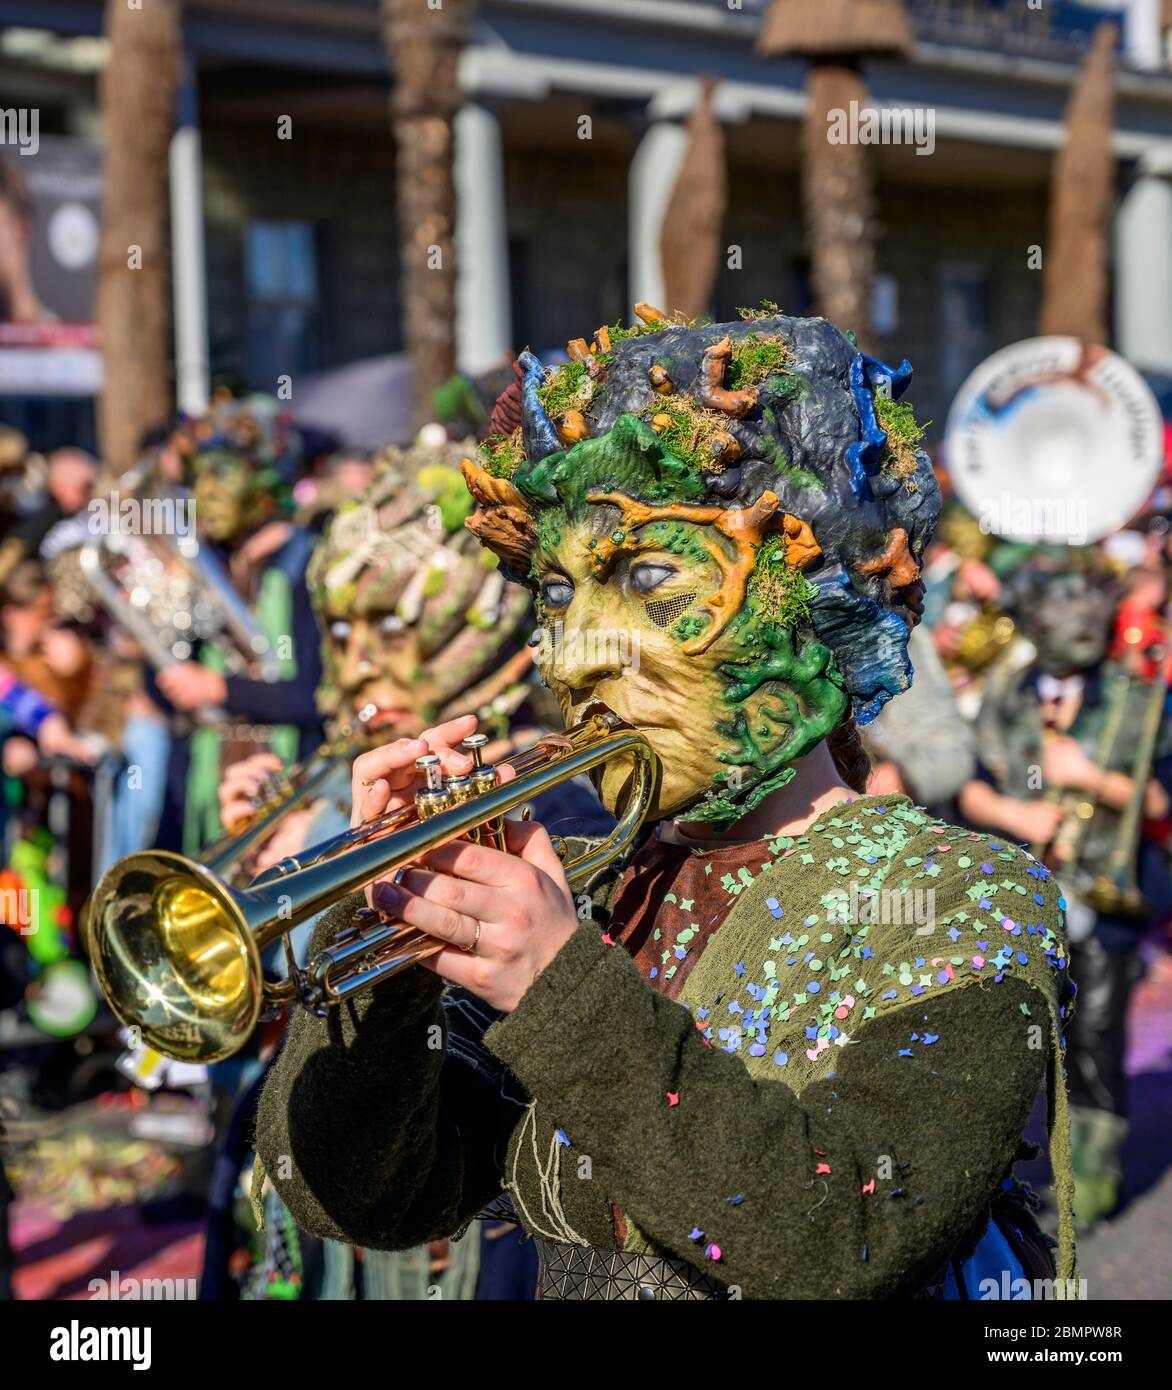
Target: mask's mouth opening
{"points": [[599, 708]]}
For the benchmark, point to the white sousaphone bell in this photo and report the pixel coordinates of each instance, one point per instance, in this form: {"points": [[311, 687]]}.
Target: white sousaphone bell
{"points": [[1054, 439]]}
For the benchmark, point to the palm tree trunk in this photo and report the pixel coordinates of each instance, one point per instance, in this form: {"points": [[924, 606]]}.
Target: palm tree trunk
{"points": [[138, 93], [1076, 269], [838, 189], [838, 194], [423, 49], [690, 239]]}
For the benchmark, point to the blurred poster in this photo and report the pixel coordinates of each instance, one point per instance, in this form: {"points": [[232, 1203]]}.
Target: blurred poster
{"points": [[50, 231]]}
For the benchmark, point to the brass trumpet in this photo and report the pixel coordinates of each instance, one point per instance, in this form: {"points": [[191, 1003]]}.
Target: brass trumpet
{"points": [[280, 795], [177, 951]]}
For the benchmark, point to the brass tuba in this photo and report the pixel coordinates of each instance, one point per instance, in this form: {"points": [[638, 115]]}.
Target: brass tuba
{"points": [[170, 591], [177, 951], [1116, 892]]}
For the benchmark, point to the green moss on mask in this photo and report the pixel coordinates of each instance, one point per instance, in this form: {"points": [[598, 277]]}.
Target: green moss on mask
{"points": [[503, 454], [692, 429], [897, 419], [767, 309], [631, 458], [778, 593], [755, 357], [568, 387]]}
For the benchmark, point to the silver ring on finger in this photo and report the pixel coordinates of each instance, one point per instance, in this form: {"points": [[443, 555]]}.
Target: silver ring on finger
{"points": [[473, 943]]}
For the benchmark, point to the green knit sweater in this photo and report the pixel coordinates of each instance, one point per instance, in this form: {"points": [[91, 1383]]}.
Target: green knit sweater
{"points": [[795, 1165]]}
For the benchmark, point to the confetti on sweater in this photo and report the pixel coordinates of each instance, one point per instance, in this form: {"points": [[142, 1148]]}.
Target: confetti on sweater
{"points": [[783, 999]]}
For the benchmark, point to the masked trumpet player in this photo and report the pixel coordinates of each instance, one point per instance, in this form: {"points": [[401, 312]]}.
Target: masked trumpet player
{"points": [[417, 623], [1064, 769], [728, 1069]]}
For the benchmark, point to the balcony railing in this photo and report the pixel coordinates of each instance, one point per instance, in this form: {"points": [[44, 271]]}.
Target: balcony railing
{"points": [[1058, 29]]}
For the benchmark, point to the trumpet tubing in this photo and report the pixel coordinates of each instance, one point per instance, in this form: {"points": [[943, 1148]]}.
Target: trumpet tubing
{"points": [[177, 951], [284, 793]]}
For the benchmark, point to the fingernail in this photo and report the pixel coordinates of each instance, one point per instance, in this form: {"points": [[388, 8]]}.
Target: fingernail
{"points": [[387, 897]]}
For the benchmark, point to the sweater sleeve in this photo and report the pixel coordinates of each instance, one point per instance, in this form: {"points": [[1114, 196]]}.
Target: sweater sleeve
{"points": [[370, 1129], [290, 701], [272, 702], [859, 1187]]}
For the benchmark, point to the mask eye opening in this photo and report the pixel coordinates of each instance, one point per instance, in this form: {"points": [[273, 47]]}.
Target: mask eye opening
{"points": [[664, 611]]}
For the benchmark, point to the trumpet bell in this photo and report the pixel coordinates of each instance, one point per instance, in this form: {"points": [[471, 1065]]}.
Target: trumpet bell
{"points": [[175, 957], [177, 951]]}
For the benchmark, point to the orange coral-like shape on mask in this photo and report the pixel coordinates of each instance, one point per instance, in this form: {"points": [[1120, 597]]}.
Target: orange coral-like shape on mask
{"points": [[503, 520], [746, 527], [895, 564]]}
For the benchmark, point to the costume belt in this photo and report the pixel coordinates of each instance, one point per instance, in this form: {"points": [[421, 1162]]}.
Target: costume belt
{"points": [[617, 1276]]}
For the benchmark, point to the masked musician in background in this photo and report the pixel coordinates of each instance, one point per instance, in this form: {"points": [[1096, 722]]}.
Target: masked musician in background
{"points": [[727, 1070], [239, 460], [973, 635], [1061, 750], [418, 623]]}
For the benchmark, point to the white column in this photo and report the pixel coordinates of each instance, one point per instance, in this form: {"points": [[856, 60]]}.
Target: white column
{"points": [[652, 177], [1143, 272], [188, 263], [484, 314], [1142, 39]]}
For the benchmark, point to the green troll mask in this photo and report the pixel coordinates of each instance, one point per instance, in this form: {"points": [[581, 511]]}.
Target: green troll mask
{"points": [[723, 527]]}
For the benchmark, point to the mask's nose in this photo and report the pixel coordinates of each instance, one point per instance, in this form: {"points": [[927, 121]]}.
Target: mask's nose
{"points": [[584, 648]]}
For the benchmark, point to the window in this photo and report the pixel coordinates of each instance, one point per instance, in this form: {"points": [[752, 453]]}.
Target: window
{"points": [[964, 322], [281, 276]]}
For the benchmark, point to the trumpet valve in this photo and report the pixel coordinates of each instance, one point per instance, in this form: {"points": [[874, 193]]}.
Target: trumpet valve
{"points": [[484, 779], [460, 789], [435, 795], [475, 744]]}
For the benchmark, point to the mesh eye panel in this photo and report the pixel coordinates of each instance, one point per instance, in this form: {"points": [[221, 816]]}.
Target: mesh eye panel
{"points": [[664, 611]]}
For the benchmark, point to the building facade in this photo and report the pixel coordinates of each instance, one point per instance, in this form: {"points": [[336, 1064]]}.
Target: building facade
{"points": [[568, 145]]}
